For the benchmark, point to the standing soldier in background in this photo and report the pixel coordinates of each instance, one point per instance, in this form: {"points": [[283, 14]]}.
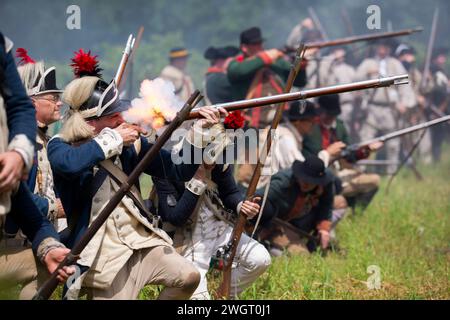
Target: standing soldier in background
{"points": [[438, 97], [385, 107], [217, 86], [259, 73], [176, 73], [407, 56], [317, 64], [341, 72], [297, 33]]}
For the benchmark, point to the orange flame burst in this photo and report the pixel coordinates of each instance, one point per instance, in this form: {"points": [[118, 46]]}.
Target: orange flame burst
{"points": [[156, 106]]}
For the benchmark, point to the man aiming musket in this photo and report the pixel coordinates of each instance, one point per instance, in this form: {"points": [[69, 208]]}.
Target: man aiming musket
{"points": [[393, 135], [359, 38], [307, 94], [95, 149]]}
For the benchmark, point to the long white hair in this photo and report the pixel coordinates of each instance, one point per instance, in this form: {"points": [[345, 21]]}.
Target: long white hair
{"points": [[77, 92], [29, 74]]}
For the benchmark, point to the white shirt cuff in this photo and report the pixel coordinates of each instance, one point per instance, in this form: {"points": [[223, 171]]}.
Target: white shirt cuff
{"points": [[196, 186], [110, 141], [21, 144], [325, 157], [239, 206]]}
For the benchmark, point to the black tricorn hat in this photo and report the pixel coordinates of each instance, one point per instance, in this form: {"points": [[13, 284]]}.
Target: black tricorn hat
{"points": [[312, 171], [330, 104], [300, 110], [46, 83], [213, 53], [251, 36]]}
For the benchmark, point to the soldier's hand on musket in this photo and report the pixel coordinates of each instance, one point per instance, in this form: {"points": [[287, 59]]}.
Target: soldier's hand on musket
{"points": [[274, 54], [61, 213], [251, 208], [211, 116], [53, 258], [129, 133], [11, 170], [335, 149], [375, 146], [324, 239], [421, 101], [401, 108]]}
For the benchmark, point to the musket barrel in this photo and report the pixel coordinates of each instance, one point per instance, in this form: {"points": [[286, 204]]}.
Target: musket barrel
{"points": [[124, 60], [402, 132], [365, 37], [307, 94]]}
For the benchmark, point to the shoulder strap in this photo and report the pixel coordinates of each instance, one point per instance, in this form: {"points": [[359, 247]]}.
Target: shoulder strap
{"points": [[120, 177]]}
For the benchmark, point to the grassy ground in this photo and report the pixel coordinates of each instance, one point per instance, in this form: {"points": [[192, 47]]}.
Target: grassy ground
{"points": [[405, 234]]}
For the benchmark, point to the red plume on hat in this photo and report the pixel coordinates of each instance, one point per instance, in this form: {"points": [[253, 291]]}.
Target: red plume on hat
{"points": [[85, 64], [24, 57], [234, 120]]}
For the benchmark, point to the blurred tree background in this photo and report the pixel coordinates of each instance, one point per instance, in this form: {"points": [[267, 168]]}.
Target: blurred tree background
{"points": [[40, 27]]}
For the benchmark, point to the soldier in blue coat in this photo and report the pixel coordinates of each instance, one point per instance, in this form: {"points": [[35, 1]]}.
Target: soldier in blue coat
{"points": [[40, 83], [130, 251], [17, 136], [201, 214]]}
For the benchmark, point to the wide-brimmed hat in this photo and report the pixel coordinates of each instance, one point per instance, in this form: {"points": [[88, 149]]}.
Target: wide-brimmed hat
{"points": [[213, 53], [179, 52], [330, 104], [301, 110], [312, 171], [251, 36]]}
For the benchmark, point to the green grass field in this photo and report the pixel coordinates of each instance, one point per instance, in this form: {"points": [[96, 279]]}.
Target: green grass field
{"points": [[405, 233]]}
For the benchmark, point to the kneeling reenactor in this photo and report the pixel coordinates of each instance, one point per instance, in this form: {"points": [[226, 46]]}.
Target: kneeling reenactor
{"points": [[202, 213], [90, 158]]}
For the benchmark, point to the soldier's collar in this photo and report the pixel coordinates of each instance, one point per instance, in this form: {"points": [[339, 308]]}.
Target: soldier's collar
{"points": [[8, 44]]}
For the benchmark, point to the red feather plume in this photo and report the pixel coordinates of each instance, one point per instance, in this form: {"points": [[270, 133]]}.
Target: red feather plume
{"points": [[85, 64], [24, 57], [234, 120]]}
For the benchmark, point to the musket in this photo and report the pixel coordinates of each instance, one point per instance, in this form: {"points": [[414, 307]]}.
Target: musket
{"points": [[123, 62], [353, 39], [224, 289], [426, 68], [131, 62], [294, 229], [396, 134], [377, 162], [46, 290], [307, 94]]}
